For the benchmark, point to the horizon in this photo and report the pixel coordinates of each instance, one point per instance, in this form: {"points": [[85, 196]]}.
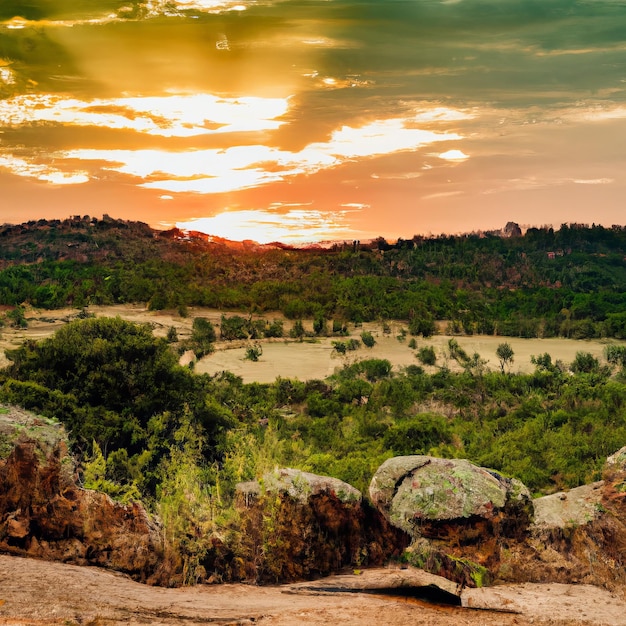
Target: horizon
{"points": [[293, 122], [391, 240]]}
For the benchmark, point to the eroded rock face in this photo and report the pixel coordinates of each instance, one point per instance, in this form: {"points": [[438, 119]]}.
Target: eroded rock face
{"points": [[45, 514], [298, 525], [579, 536], [424, 495]]}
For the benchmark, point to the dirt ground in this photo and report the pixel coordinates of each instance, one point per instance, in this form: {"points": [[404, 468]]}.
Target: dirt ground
{"points": [[38, 592], [310, 359]]}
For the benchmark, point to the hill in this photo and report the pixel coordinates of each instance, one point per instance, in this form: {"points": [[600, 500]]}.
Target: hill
{"points": [[569, 282]]}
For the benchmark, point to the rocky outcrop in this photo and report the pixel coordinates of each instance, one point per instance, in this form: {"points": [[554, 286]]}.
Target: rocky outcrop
{"points": [[459, 515], [45, 514], [297, 525], [426, 496], [579, 536]]}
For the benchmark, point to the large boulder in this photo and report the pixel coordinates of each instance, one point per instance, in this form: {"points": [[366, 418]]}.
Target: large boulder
{"points": [[44, 513], [301, 486], [427, 496], [459, 515], [298, 525]]}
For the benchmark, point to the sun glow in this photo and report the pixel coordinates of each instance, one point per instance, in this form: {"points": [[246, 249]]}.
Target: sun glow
{"points": [[297, 226], [246, 166]]}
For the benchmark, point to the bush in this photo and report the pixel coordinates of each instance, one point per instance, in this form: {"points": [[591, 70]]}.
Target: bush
{"points": [[427, 356], [368, 339], [254, 352]]}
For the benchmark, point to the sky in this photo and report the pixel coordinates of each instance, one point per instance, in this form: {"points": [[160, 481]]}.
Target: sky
{"points": [[308, 120]]}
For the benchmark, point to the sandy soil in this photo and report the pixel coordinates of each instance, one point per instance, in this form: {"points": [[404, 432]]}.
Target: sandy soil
{"points": [[310, 359], [39, 592]]}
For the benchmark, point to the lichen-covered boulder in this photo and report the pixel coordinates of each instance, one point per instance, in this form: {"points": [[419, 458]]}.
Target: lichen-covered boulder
{"points": [[424, 495], [459, 515], [614, 476], [301, 486]]}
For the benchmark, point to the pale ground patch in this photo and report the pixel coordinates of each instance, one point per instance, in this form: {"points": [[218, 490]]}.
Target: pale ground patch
{"points": [[305, 361], [309, 359]]}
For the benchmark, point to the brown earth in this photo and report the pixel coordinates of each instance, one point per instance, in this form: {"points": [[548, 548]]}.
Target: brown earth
{"points": [[36, 592]]}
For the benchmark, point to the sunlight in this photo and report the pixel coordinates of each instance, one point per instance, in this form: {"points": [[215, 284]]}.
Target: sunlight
{"points": [[26, 168], [165, 116], [297, 226]]}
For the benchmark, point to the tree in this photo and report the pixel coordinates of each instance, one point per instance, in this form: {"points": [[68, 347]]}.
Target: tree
{"points": [[202, 336], [427, 356], [616, 355], [505, 354], [254, 352], [585, 363]]}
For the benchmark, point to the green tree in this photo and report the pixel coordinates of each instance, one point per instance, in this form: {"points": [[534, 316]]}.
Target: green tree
{"points": [[427, 356], [254, 352], [584, 362], [505, 355], [202, 336]]}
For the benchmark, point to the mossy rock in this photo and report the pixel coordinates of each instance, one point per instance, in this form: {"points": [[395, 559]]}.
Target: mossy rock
{"points": [[300, 486], [424, 495], [19, 426]]}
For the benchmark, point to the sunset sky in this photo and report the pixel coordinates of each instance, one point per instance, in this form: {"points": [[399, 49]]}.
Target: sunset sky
{"points": [[313, 120]]}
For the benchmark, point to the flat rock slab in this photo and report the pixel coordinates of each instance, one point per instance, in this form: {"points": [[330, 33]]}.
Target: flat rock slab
{"points": [[378, 579], [579, 604], [34, 592]]}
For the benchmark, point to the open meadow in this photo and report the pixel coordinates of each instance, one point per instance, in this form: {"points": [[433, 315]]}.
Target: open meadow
{"points": [[313, 357]]}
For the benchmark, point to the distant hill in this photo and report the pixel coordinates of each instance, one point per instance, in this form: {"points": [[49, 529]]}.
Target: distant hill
{"points": [[544, 282]]}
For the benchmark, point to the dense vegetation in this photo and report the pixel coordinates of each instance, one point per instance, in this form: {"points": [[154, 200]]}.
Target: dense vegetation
{"points": [[569, 282], [146, 427]]}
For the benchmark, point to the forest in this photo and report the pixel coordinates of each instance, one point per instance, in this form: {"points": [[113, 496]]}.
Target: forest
{"points": [[569, 282], [144, 427]]}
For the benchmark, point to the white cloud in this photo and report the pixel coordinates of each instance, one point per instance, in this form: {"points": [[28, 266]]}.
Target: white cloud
{"points": [[165, 116], [454, 155], [27, 168], [241, 167]]}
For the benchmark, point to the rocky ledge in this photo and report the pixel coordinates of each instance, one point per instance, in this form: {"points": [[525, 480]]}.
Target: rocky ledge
{"points": [[448, 517], [45, 514]]}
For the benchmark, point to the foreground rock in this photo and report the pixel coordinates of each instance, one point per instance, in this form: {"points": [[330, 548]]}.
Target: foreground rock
{"points": [[431, 497], [45, 514], [297, 525], [579, 536], [34, 592], [460, 516]]}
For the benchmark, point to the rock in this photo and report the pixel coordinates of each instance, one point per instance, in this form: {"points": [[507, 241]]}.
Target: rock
{"points": [[578, 536], [459, 515], [45, 514], [423, 495], [298, 525], [302, 485], [575, 507]]}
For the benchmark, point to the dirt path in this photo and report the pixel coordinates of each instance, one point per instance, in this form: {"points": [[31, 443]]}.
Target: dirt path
{"points": [[39, 592]]}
